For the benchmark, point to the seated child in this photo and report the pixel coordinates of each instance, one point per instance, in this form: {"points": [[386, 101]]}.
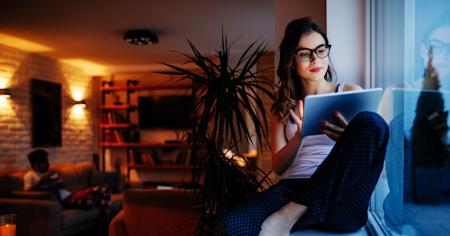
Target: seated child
{"points": [[41, 177]]}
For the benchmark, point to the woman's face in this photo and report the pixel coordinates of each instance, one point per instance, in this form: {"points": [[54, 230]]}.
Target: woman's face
{"points": [[439, 40], [313, 68]]}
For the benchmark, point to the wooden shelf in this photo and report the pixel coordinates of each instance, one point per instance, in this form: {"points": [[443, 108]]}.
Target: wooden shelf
{"points": [[117, 126], [117, 107], [162, 166], [142, 87], [147, 145], [117, 123]]}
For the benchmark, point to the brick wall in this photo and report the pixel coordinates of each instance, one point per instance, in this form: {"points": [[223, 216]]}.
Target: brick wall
{"points": [[16, 70]]}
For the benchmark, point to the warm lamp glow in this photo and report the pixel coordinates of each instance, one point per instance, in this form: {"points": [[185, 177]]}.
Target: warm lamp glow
{"points": [[4, 79], [5, 105], [79, 103], [251, 154], [4, 102], [78, 110], [239, 160], [89, 67], [3, 82], [22, 44], [77, 93]]}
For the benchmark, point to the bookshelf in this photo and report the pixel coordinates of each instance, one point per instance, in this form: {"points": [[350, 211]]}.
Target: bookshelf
{"points": [[120, 133]]}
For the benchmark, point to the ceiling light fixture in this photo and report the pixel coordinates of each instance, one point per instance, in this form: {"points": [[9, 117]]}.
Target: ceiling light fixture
{"points": [[140, 37]]}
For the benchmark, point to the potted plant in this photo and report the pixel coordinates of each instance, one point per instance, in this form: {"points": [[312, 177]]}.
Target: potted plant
{"points": [[223, 94]]}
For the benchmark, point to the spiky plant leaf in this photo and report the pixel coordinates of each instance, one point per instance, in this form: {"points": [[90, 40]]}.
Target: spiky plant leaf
{"points": [[223, 94]]}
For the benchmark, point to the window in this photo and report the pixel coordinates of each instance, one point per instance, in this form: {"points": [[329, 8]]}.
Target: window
{"points": [[413, 194]]}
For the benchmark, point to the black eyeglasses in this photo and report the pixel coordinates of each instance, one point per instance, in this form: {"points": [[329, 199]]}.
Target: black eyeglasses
{"points": [[437, 47], [305, 54]]}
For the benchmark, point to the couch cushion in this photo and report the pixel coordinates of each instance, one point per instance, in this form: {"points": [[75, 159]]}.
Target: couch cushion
{"points": [[116, 202], [36, 195], [75, 217], [154, 212], [11, 182], [75, 175], [112, 179]]}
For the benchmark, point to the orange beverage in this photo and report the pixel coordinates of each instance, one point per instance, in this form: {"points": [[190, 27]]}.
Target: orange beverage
{"points": [[8, 230], [8, 225]]}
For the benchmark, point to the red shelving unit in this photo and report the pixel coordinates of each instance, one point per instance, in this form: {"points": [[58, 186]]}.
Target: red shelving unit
{"points": [[116, 131]]}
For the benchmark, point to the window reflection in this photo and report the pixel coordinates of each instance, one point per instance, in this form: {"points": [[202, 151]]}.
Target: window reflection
{"points": [[413, 194]]}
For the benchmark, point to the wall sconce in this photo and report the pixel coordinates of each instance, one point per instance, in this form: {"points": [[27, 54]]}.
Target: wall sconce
{"points": [[81, 104], [5, 92]]}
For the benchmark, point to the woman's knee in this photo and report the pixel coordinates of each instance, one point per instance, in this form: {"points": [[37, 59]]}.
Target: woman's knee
{"points": [[369, 117], [371, 124]]}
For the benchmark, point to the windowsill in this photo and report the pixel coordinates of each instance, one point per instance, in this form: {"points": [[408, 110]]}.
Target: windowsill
{"points": [[373, 225]]}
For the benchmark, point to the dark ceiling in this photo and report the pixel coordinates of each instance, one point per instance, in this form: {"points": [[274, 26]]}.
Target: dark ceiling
{"points": [[93, 30]]}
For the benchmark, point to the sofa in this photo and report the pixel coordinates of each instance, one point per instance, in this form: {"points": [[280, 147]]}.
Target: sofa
{"points": [[39, 213], [148, 212]]}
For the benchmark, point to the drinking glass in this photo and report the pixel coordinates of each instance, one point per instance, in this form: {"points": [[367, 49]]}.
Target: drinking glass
{"points": [[8, 225]]}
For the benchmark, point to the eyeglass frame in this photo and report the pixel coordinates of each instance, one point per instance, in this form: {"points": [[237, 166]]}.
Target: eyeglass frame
{"points": [[445, 47], [311, 51]]}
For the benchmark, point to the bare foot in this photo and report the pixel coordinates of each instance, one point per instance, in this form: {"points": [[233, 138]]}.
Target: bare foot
{"points": [[281, 222]]}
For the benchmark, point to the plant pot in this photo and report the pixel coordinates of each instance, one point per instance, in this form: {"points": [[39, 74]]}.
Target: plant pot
{"points": [[427, 184]]}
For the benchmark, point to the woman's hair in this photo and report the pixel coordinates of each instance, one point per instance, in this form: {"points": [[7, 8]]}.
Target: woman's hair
{"points": [[290, 89]]}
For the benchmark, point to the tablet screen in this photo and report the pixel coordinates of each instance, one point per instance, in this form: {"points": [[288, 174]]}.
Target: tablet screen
{"points": [[322, 106]]}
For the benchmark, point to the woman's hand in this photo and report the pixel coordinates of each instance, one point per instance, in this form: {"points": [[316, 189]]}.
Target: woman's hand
{"points": [[298, 119], [334, 131]]}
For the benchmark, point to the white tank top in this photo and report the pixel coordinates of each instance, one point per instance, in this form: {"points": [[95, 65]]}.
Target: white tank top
{"points": [[312, 152]]}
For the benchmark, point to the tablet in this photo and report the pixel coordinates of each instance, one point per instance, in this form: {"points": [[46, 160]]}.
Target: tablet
{"points": [[407, 101], [322, 106]]}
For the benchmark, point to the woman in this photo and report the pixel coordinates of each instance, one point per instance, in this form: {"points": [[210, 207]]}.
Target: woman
{"points": [[327, 179]]}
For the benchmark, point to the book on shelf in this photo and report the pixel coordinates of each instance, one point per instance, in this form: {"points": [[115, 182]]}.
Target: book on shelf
{"points": [[105, 118], [113, 136], [184, 158], [147, 159], [132, 157], [110, 136], [114, 117], [139, 157], [118, 136], [119, 118], [156, 160], [111, 119]]}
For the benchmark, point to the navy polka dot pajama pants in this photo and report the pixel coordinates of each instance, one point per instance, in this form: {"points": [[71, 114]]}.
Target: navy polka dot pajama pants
{"points": [[337, 194]]}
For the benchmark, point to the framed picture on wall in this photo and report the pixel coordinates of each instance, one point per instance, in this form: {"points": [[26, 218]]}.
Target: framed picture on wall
{"points": [[45, 113]]}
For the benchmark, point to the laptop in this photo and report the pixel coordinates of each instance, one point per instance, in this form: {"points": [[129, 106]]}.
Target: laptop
{"points": [[321, 107]]}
